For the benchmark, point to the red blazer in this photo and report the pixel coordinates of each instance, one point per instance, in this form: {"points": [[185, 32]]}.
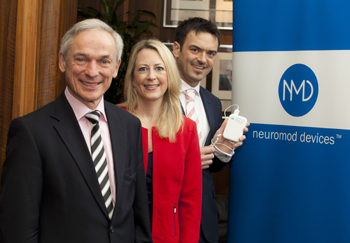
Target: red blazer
{"points": [[177, 185]]}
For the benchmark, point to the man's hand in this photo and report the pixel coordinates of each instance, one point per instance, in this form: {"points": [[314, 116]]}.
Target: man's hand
{"points": [[207, 152], [227, 142], [207, 156]]}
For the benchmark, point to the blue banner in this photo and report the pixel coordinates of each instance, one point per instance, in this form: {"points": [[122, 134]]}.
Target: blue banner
{"points": [[290, 181], [274, 25]]}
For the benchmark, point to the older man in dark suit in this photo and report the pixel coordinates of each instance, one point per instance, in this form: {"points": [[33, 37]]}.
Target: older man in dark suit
{"points": [[74, 169], [196, 43]]}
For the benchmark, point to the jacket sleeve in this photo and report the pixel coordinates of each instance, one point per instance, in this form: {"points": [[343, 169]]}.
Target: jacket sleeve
{"points": [[190, 201], [21, 186]]}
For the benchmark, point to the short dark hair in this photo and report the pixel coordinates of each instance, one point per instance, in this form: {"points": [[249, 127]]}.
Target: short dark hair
{"points": [[198, 25]]}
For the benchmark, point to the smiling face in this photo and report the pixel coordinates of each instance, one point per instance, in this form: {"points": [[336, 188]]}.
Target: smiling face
{"points": [[196, 57], [90, 65], [150, 77]]}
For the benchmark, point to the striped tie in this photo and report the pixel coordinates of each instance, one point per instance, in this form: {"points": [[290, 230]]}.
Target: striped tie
{"points": [[99, 158], [191, 112]]}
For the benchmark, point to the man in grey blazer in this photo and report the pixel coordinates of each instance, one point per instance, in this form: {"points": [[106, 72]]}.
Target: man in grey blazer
{"points": [[196, 43], [51, 190]]}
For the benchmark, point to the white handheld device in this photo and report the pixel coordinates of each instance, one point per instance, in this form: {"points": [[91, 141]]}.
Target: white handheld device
{"points": [[234, 127]]}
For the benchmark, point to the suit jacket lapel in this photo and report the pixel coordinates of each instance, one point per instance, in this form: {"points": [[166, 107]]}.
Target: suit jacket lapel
{"points": [[70, 132], [209, 109], [118, 136]]}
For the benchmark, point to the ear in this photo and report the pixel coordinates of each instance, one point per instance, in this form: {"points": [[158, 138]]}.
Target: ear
{"points": [[61, 62], [115, 73], [176, 49]]}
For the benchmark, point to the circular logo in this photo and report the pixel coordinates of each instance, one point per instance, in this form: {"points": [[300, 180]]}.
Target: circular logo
{"points": [[298, 90]]}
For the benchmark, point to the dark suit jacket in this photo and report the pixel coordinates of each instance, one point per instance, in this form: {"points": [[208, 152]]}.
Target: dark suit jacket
{"points": [[49, 188], [209, 224]]}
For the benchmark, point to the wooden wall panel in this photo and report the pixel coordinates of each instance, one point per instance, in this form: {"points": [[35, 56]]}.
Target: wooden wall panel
{"points": [[30, 35], [40, 27], [57, 18], [26, 57], [68, 17], [8, 16], [48, 53]]}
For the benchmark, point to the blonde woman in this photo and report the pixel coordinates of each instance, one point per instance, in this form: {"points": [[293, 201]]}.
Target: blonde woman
{"points": [[170, 143]]}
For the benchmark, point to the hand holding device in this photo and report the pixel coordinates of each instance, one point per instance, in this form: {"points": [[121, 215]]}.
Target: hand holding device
{"points": [[234, 127]]}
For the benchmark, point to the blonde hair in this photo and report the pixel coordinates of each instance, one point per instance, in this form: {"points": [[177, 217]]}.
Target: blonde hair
{"points": [[169, 115]]}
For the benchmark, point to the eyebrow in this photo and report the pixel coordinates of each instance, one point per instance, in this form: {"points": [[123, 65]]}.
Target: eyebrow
{"points": [[79, 54], [197, 47], [191, 46], [106, 56], [146, 64], [86, 55]]}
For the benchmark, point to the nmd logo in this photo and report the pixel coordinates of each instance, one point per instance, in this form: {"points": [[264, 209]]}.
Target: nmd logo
{"points": [[292, 88], [298, 90]]}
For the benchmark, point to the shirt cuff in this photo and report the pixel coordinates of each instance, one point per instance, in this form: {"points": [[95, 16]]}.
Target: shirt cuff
{"points": [[224, 157]]}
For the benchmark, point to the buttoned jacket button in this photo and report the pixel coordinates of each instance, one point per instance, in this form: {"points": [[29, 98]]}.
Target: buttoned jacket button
{"points": [[111, 229]]}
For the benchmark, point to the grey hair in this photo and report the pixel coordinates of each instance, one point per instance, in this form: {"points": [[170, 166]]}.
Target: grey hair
{"points": [[91, 24]]}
